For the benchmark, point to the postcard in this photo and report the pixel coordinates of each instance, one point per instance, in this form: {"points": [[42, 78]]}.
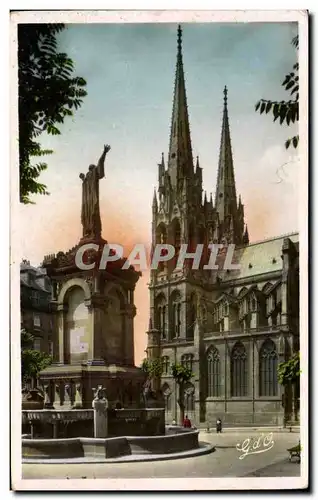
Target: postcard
{"points": [[159, 240]]}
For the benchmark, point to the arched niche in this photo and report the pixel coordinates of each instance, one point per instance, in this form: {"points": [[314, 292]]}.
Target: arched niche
{"points": [[114, 324], [77, 334], [75, 282]]}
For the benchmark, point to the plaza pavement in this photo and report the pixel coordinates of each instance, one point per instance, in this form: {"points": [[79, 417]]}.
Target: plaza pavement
{"points": [[224, 462]]}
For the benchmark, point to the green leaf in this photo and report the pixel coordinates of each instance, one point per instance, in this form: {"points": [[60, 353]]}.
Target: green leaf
{"points": [[295, 89], [48, 91], [268, 106], [290, 84]]}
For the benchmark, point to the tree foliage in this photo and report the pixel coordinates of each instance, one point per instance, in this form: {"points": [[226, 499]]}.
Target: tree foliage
{"points": [[152, 367], [32, 361], [285, 111], [48, 93], [289, 371], [181, 373]]}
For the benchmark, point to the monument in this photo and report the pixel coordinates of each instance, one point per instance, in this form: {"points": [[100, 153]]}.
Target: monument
{"points": [[94, 344]]}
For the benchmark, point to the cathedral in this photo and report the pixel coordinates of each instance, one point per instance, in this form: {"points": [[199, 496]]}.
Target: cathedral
{"points": [[231, 327]]}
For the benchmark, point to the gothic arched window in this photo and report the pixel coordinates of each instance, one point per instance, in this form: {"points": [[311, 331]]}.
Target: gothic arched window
{"points": [[238, 370], [166, 391], [213, 360], [268, 369], [161, 315], [176, 314], [189, 398], [187, 361], [161, 239], [176, 230], [165, 365], [192, 317]]}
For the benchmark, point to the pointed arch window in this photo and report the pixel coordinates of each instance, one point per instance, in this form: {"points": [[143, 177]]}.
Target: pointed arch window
{"points": [[166, 391], [268, 385], [189, 400], [161, 238], [214, 375], [176, 314], [192, 317], [238, 371], [165, 365], [161, 316], [176, 231], [187, 361]]}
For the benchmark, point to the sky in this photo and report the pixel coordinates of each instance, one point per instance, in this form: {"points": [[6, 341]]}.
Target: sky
{"points": [[129, 69]]}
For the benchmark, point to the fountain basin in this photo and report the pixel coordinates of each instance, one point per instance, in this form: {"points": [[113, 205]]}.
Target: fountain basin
{"points": [[181, 440]]}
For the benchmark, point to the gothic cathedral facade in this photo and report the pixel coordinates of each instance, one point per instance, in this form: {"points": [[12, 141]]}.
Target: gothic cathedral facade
{"points": [[231, 327]]}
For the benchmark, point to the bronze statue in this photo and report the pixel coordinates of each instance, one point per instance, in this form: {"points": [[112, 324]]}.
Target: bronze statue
{"points": [[90, 216]]}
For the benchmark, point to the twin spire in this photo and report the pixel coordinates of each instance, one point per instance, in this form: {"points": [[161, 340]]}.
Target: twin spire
{"points": [[225, 199], [180, 159]]}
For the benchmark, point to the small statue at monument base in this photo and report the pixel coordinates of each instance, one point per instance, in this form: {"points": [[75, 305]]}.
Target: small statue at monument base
{"points": [[100, 407]]}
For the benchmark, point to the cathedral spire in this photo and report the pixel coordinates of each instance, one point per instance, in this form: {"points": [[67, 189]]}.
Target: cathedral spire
{"points": [[180, 161], [246, 237], [154, 201], [225, 200]]}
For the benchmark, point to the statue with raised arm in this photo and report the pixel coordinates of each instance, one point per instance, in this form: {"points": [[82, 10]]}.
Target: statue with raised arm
{"points": [[90, 216]]}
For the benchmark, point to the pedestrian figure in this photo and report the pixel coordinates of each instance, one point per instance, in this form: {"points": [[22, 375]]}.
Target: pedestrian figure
{"points": [[187, 422], [218, 425]]}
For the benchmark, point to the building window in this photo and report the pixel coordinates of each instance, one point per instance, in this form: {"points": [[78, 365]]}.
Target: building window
{"points": [[177, 241], [160, 316], [213, 359], [187, 361], [36, 320], [35, 297], [37, 344], [176, 315], [167, 396], [165, 365], [268, 369], [238, 371], [192, 316], [51, 348], [162, 320], [189, 398]]}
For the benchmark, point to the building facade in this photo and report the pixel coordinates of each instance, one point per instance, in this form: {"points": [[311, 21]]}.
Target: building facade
{"points": [[232, 327], [36, 313]]}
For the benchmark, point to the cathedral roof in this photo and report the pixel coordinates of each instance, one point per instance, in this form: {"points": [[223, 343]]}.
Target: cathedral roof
{"points": [[258, 258]]}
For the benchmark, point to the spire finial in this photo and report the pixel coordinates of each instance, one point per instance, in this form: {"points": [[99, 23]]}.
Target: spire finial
{"points": [[179, 38], [225, 95]]}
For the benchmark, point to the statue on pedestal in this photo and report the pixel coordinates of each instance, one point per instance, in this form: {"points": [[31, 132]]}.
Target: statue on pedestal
{"points": [[100, 407], [90, 216]]}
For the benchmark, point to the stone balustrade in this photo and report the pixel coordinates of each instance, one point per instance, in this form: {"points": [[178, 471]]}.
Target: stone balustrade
{"points": [[65, 394], [251, 331], [55, 423], [51, 416]]}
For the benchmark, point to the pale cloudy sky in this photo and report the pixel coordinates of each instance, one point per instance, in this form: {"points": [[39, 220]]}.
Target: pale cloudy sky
{"points": [[130, 75]]}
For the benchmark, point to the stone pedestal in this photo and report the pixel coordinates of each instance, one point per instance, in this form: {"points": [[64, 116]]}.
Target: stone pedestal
{"points": [[95, 335]]}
